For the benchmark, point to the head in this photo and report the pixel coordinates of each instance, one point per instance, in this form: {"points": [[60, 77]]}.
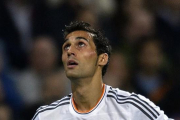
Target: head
{"points": [[101, 43], [149, 54], [171, 4], [44, 54], [5, 112], [140, 24], [54, 87], [88, 16], [119, 71]]}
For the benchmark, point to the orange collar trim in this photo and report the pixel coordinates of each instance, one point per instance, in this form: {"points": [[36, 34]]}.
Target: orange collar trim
{"points": [[74, 105]]}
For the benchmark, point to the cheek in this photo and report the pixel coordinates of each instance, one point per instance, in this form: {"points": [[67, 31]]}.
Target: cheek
{"points": [[91, 57], [91, 54]]}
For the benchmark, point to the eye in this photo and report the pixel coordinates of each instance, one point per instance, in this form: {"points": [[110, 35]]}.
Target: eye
{"points": [[66, 47], [81, 44]]}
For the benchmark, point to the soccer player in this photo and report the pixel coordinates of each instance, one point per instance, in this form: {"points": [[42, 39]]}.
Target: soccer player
{"points": [[85, 56]]}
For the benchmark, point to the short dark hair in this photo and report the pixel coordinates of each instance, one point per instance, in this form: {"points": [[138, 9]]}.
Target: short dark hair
{"points": [[101, 42]]}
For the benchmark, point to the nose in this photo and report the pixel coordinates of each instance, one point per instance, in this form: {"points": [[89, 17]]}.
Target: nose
{"points": [[71, 51]]}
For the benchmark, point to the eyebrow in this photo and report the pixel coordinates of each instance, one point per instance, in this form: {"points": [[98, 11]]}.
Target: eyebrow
{"points": [[78, 38], [82, 38]]}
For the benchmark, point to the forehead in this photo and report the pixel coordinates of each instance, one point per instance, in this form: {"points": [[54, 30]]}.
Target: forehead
{"points": [[79, 33]]}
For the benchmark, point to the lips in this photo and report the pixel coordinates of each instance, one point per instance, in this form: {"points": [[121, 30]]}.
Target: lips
{"points": [[71, 63]]}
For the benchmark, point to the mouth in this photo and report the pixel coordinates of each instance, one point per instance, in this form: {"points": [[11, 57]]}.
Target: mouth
{"points": [[71, 64]]}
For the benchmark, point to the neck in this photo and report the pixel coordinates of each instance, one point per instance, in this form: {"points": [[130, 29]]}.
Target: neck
{"points": [[87, 93]]}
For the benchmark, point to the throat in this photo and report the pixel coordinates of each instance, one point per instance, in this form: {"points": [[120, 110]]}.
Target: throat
{"points": [[86, 103]]}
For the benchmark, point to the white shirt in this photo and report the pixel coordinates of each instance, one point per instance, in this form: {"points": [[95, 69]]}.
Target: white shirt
{"points": [[114, 104]]}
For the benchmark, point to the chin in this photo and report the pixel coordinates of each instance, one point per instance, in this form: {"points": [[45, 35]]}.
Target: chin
{"points": [[71, 75]]}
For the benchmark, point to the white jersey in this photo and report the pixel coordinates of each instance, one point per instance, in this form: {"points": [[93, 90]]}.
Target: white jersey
{"points": [[114, 104]]}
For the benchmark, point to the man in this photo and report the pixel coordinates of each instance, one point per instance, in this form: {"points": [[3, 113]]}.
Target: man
{"points": [[86, 53]]}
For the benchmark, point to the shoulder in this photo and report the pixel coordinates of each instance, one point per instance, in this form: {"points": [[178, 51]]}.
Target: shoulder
{"points": [[138, 105], [64, 101], [116, 92]]}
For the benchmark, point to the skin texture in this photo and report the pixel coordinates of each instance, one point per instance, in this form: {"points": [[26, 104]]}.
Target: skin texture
{"points": [[79, 49], [86, 75]]}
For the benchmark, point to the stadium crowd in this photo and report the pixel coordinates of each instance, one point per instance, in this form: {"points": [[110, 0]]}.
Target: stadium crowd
{"points": [[145, 50]]}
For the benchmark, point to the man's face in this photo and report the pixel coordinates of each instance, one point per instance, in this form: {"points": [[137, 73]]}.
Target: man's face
{"points": [[79, 55]]}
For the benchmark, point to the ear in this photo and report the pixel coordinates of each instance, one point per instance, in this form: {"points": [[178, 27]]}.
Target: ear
{"points": [[103, 59]]}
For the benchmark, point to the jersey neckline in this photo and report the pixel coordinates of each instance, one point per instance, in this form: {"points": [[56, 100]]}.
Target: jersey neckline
{"points": [[75, 111]]}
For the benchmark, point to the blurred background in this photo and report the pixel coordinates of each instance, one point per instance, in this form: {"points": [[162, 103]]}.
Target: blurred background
{"points": [[145, 59]]}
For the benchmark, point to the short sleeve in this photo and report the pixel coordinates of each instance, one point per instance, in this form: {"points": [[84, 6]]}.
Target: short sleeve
{"points": [[144, 109], [36, 117]]}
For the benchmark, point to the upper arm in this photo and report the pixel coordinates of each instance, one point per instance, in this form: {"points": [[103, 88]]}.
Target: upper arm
{"points": [[145, 109], [36, 116]]}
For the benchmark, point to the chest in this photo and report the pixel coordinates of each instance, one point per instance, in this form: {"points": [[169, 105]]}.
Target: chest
{"points": [[106, 112]]}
